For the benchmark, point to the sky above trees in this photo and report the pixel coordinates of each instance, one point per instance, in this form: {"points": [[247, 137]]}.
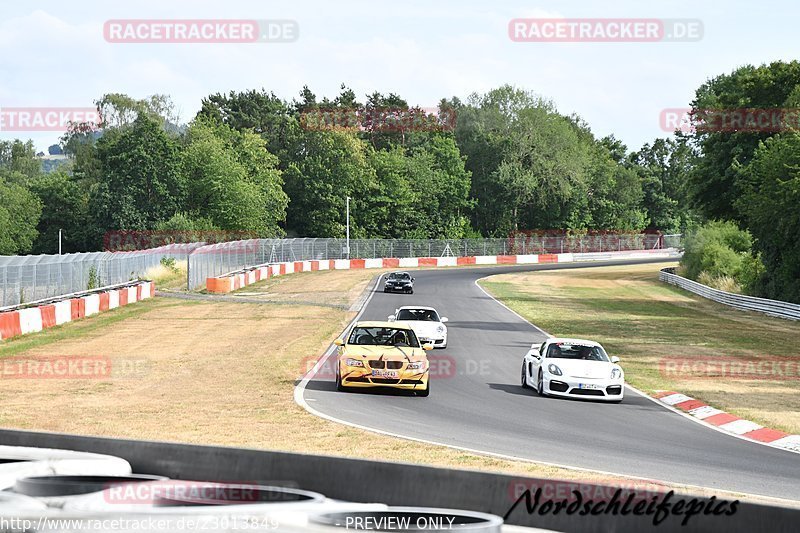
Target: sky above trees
{"points": [[423, 50]]}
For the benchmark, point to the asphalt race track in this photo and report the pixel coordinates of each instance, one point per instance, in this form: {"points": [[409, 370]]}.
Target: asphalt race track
{"points": [[481, 406]]}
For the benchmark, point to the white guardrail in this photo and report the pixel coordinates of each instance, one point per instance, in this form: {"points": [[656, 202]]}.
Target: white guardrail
{"points": [[775, 308]]}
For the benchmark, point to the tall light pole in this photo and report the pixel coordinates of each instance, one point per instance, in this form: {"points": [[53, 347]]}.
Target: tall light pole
{"points": [[347, 246], [59, 241]]}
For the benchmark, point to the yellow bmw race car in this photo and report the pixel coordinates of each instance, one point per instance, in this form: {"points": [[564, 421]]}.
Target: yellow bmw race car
{"points": [[382, 354]]}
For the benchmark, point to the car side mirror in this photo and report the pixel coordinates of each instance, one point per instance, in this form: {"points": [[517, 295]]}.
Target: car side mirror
{"points": [[412, 279], [534, 346], [427, 347], [444, 319], [615, 359], [338, 342], [390, 318]]}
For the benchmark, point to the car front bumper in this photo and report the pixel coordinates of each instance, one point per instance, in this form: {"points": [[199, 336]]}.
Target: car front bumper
{"points": [[398, 288], [435, 341], [406, 379], [584, 389]]}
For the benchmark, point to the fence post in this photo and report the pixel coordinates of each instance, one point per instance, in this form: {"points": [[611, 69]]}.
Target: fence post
{"points": [[34, 282]]}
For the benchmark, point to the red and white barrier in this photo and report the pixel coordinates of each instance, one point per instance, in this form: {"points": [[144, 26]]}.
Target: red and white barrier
{"points": [[728, 422], [33, 319], [232, 282]]}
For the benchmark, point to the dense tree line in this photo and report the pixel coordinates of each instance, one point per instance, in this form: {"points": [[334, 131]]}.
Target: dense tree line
{"points": [[748, 177], [497, 162], [491, 164]]}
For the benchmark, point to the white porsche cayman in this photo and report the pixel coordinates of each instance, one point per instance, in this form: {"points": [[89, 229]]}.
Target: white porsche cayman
{"points": [[573, 368]]}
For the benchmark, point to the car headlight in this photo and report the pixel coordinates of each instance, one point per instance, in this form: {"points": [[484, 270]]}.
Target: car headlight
{"points": [[418, 365], [616, 373], [553, 369], [440, 329], [353, 362]]}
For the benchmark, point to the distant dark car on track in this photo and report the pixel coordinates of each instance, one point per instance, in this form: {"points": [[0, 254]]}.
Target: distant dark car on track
{"points": [[399, 282]]}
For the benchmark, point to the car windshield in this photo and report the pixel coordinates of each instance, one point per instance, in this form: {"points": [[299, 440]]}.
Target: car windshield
{"points": [[399, 277], [577, 351], [380, 336], [426, 315]]}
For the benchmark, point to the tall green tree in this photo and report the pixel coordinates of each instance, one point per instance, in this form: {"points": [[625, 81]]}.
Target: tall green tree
{"points": [[141, 177], [544, 165], [326, 167], [262, 112], [715, 180], [394, 206], [232, 180], [65, 206], [770, 195], [18, 162], [614, 193], [441, 186], [664, 167], [20, 210]]}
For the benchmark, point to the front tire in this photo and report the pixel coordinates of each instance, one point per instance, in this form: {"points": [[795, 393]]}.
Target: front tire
{"points": [[524, 382], [540, 385]]}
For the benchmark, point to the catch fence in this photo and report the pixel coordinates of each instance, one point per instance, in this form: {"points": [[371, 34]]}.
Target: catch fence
{"points": [[25, 279]]}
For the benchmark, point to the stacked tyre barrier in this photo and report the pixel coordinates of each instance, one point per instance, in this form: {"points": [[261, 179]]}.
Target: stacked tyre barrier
{"points": [[51, 490], [30, 318], [248, 276]]}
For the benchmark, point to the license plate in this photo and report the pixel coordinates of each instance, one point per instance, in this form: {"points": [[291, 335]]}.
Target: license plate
{"points": [[588, 386], [384, 373]]}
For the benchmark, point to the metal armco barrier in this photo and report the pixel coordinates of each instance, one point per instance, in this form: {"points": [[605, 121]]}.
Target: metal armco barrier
{"points": [[396, 484], [775, 308]]}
